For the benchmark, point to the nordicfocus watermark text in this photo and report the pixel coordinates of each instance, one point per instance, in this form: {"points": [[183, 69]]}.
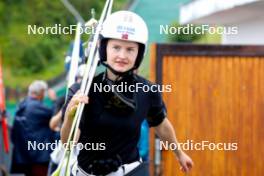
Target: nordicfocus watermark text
{"points": [[203, 145], [124, 87], [58, 29], [202, 29], [33, 145]]}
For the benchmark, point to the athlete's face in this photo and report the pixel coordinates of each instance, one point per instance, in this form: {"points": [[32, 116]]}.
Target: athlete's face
{"points": [[121, 55]]}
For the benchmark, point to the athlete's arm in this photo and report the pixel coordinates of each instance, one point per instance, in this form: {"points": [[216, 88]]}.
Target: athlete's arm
{"points": [[166, 132]]}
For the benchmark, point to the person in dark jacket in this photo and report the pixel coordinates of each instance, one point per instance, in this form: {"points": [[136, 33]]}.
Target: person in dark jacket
{"points": [[31, 135]]}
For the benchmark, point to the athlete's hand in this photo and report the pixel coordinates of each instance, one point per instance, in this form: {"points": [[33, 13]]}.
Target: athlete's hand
{"points": [[73, 104], [185, 162]]}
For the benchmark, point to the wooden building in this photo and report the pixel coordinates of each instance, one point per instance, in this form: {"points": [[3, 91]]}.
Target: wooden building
{"points": [[217, 96]]}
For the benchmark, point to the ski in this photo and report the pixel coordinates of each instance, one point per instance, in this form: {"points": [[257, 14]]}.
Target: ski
{"points": [[75, 57], [91, 65]]}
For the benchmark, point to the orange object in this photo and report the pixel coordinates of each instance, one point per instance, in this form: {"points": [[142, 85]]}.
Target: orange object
{"points": [[3, 112]]}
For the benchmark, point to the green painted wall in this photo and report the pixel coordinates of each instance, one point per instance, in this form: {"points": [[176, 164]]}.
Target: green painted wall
{"points": [[156, 13]]}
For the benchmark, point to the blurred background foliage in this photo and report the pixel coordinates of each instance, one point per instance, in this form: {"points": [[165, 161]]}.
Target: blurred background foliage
{"points": [[41, 56], [35, 56], [180, 37]]}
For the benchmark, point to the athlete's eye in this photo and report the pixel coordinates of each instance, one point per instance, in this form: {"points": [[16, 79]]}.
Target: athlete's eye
{"points": [[130, 50], [116, 47]]}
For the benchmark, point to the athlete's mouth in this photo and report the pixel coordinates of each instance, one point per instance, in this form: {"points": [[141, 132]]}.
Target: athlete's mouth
{"points": [[121, 63]]}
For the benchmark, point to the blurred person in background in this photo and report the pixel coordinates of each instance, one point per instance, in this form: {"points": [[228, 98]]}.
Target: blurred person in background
{"points": [[31, 132]]}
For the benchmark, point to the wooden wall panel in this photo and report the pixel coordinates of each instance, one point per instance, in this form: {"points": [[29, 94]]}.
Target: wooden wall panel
{"points": [[151, 135], [219, 99]]}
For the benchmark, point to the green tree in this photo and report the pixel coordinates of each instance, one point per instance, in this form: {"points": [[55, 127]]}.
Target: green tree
{"points": [[183, 34]]}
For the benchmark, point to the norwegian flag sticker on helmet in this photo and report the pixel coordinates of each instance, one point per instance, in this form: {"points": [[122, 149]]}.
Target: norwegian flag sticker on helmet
{"points": [[124, 36], [125, 25]]}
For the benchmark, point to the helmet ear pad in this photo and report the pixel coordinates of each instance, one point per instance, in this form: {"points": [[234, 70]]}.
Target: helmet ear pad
{"points": [[102, 49], [103, 55], [140, 55]]}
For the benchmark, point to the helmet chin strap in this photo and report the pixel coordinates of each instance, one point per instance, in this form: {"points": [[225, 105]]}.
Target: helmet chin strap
{"points": [[117, 73]]}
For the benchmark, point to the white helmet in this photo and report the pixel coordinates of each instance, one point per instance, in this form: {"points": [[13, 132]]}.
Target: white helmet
{"points": [[124, 25]]}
